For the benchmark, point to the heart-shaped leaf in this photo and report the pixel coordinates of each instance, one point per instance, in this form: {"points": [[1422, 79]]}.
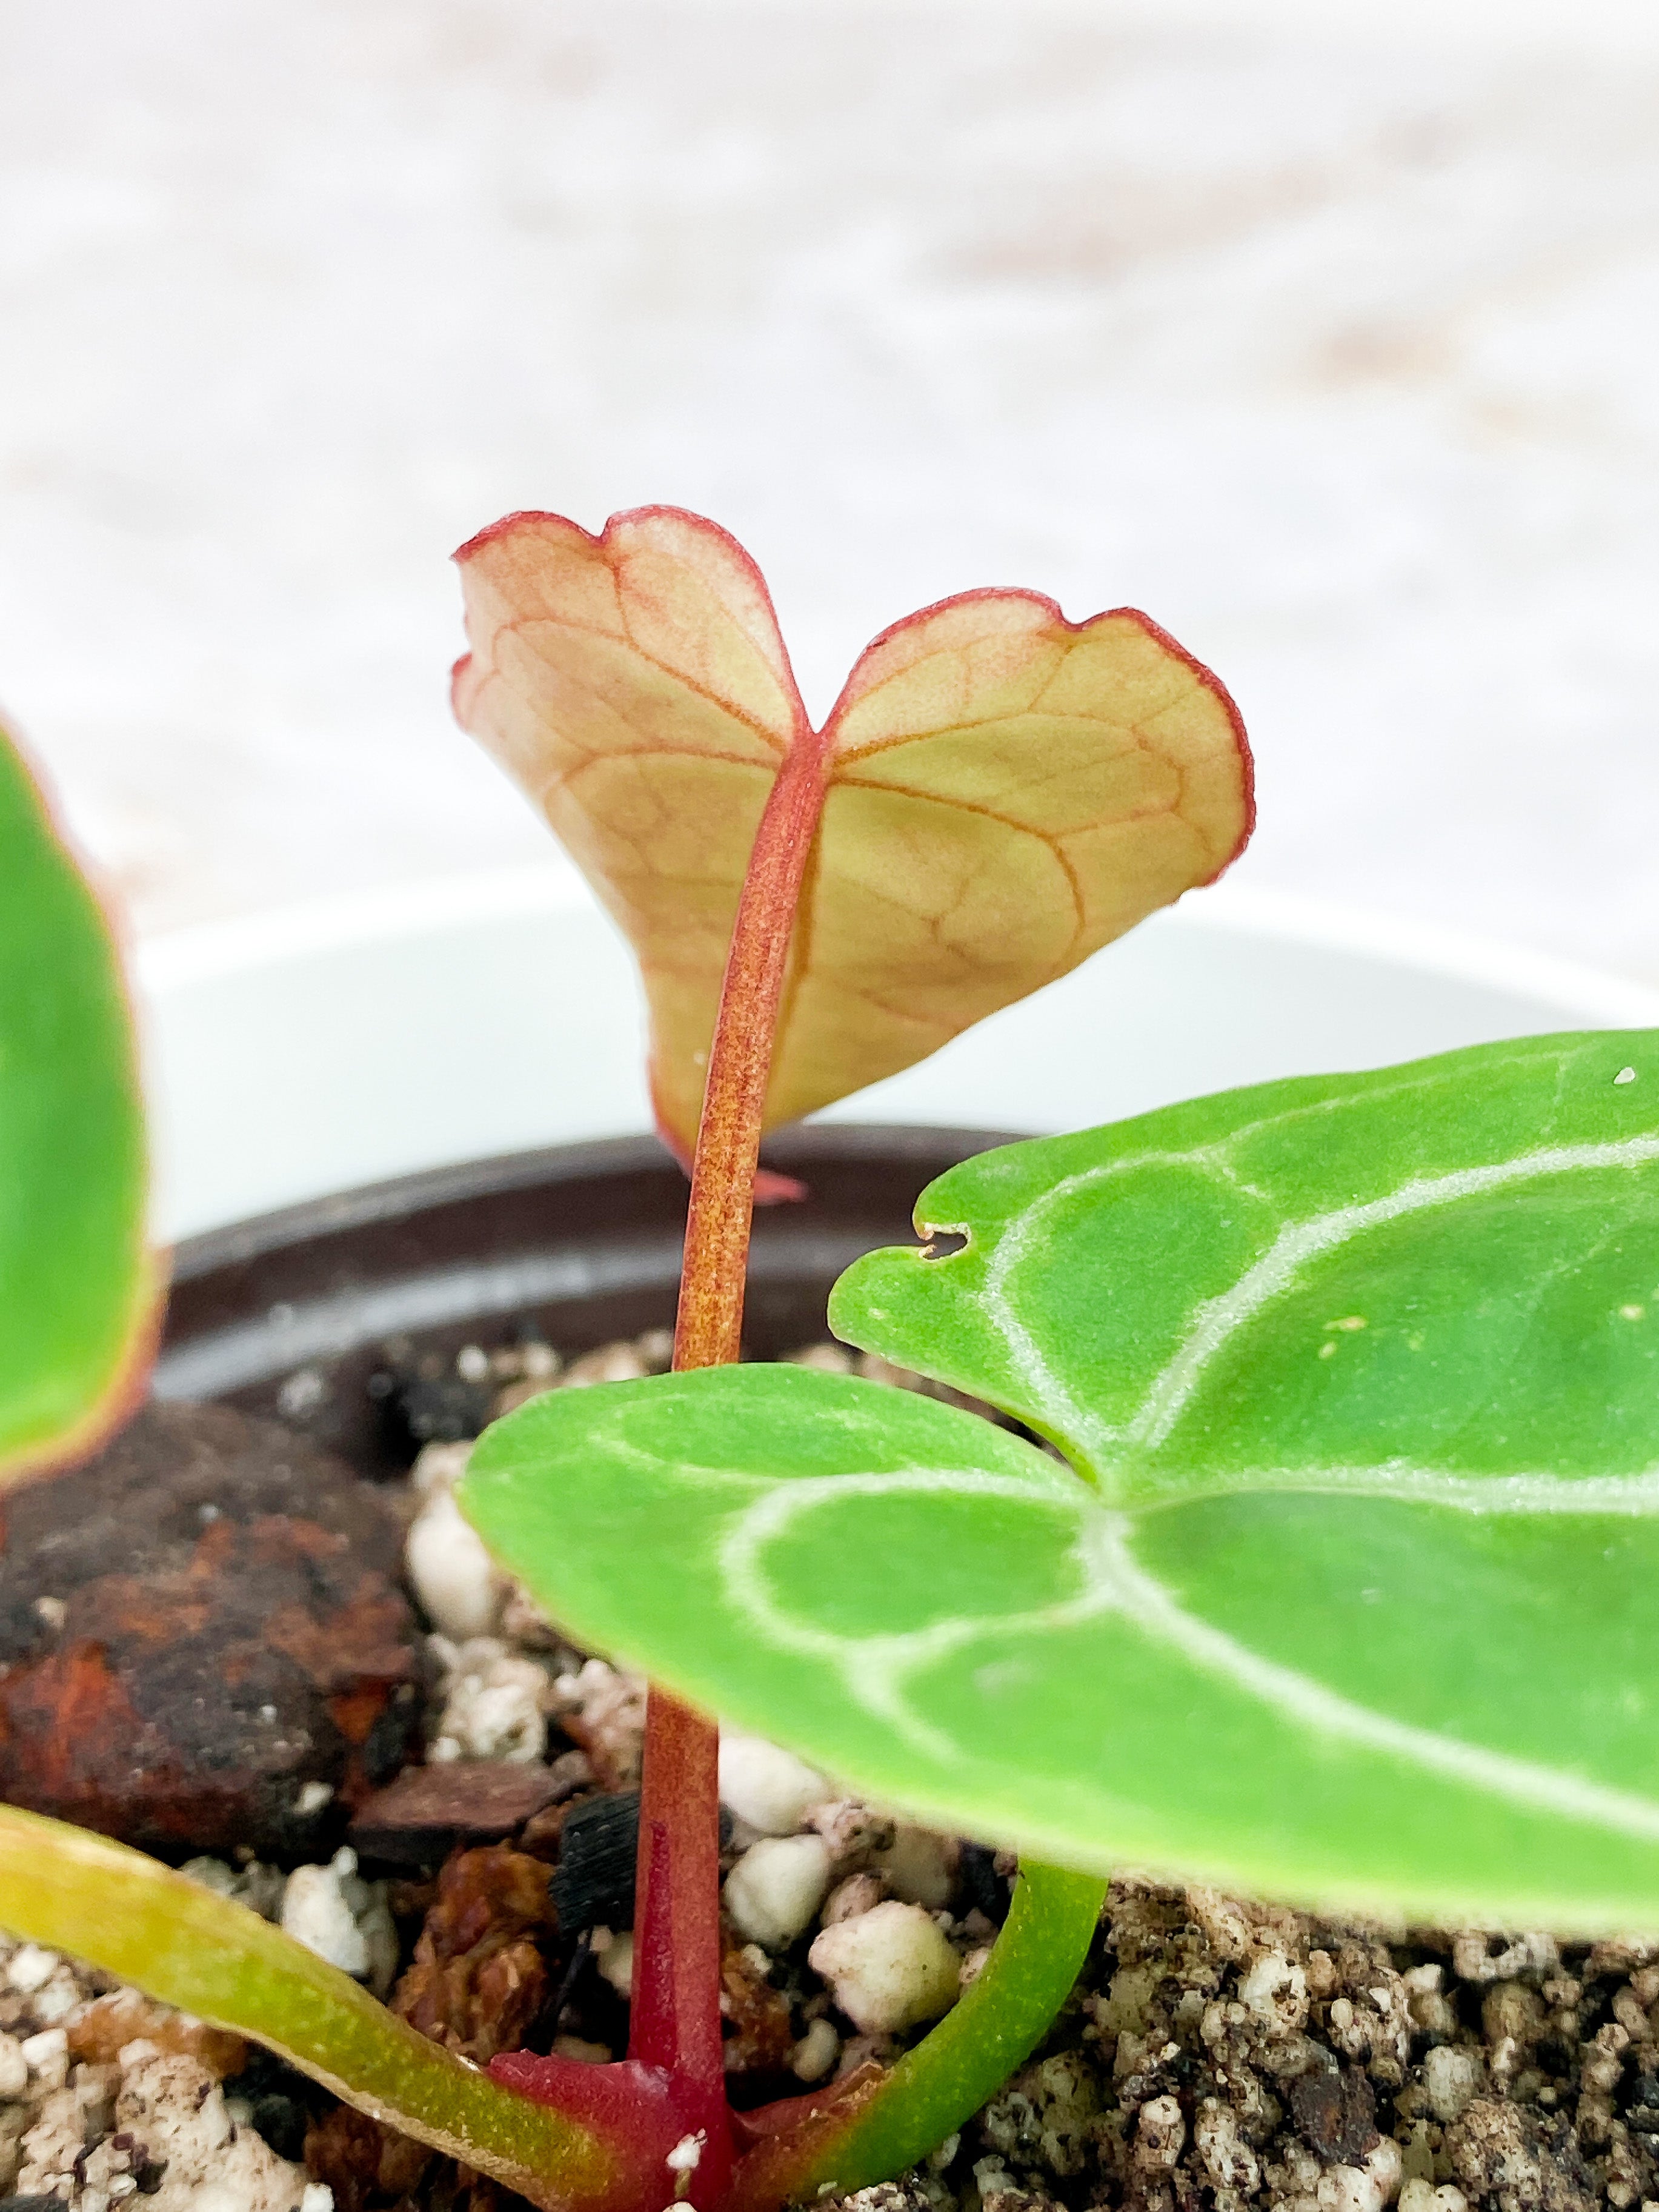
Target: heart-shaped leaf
{"points": [[77, 1294], [1007, 791], [1357, 1603]]}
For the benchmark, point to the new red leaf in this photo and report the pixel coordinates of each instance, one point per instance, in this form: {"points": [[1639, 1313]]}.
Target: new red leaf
{"points": [[1007, 792]]}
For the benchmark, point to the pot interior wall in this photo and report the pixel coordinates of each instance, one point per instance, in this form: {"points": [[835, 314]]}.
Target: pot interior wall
{"points": [[292, 1315]]}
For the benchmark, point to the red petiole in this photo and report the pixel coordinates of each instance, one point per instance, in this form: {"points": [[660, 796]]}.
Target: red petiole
{"points": [[674, 2075]]}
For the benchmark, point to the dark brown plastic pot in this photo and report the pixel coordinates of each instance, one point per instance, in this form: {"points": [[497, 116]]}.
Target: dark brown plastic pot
{"points": [[292, 1314]]}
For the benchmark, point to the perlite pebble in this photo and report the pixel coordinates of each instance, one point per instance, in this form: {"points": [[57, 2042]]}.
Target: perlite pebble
{"points": [[334, 1913], [176, 2110], [1275, 1989], [1160, 2134], [1365, 2188], [47, 2056], [453, 1574], [920, 1866], [439, 1467], [1525, 1954], [1451, 2076], [816, 2053], [611, 1363], [860, 1893], [259, 1887], [1047, 2113], [608, 1712], [992, 2178], [944, 2154], [776, 1888], [31, 1968], [890, 1969], [614, 1959], [14, 2068], [316, 1914], [768, 1787], [1227, 2158], [60, 1998], [1420, 2196], [1345, 2189], [854, 1831], [832, 1359], [495, 1702]]}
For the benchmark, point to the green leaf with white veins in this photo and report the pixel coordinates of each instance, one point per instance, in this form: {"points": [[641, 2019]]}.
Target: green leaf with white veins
{"points": [[1357, 1601]]}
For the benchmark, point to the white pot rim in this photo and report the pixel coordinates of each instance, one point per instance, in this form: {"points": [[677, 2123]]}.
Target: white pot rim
{"points": [[322, 1047], [207, 951]]}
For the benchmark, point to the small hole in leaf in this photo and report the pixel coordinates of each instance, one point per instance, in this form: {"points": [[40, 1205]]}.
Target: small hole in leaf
{"points": [[943, 1242]]}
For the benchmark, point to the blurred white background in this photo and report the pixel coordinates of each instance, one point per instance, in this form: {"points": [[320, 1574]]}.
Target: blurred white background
{"points": [[1327, 333]]}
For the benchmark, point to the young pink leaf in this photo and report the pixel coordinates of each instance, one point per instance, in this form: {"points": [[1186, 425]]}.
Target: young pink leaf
{"points": [[1007, 792]]}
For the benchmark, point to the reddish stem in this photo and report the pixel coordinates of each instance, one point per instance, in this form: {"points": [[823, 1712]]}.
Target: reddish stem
{"points": [[674, 2017], [675, 2020], [710, 1330], [672, 2084]]}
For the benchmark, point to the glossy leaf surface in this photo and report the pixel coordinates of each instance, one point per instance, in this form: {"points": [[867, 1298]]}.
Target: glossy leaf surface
{"points": [[1357, 1601], [1007, 791], [76, 1292]]}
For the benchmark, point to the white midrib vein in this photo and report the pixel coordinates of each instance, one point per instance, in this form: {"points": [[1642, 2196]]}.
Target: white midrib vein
{"points": [[1278, 1270], [875, 1668]]}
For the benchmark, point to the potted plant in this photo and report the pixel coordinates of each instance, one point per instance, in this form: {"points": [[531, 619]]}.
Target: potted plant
{"points": [[1343, 1382]]}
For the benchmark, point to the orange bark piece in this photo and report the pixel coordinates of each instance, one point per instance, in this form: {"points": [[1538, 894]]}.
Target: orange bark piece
{"points": [[479, 1979], [1007, 791], [102, 2032]]}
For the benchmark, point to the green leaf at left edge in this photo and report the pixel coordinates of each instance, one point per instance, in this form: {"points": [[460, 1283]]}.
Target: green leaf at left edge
{"points": [[77, 1293], [1359, 1606]]}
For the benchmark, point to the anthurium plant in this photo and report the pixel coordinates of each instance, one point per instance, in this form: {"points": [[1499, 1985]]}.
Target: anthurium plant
{"points": [[1316, 1558]]}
